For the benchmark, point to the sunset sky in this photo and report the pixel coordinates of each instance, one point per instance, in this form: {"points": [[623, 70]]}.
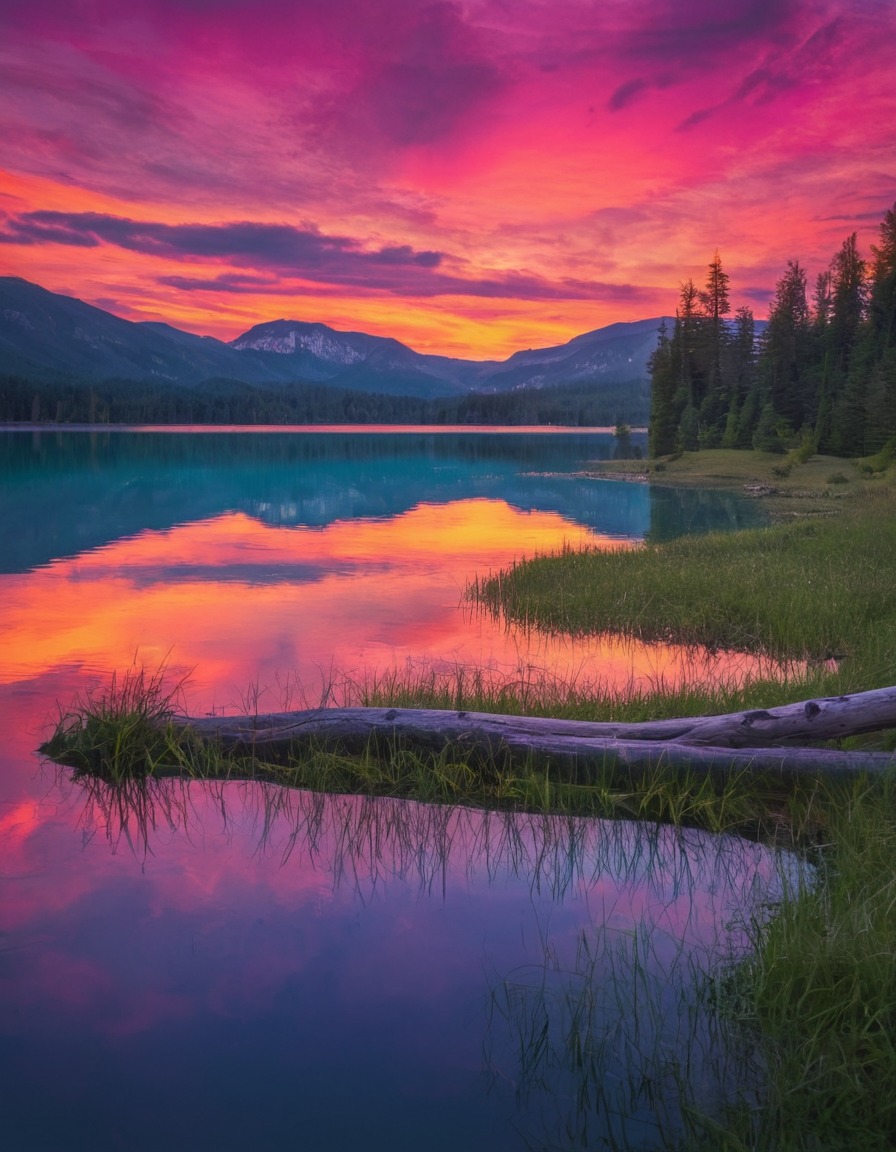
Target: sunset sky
{"points": [[472, 177]]}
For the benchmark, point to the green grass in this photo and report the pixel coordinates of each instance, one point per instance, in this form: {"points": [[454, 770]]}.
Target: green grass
{"points": [[817, 999], [818, 995], [117, 734], [807, 591]]}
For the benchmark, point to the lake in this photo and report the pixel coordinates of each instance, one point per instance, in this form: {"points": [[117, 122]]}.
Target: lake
{"points": [[233, 966]]}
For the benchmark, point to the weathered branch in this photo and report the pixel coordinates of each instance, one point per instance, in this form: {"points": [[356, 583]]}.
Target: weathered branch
{"points": [[759, 741]]}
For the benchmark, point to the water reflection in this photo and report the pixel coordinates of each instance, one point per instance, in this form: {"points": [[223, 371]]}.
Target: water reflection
{"points": [[235, 601], [254, 960], [594, 941], [90, 489]]}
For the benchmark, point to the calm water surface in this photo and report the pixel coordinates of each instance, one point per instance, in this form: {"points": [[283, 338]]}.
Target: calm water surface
{"points": [[233, 967]]}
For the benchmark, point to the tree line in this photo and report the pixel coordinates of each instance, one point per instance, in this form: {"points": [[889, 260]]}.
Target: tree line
{"points": [[223, 401], [822, 373]]}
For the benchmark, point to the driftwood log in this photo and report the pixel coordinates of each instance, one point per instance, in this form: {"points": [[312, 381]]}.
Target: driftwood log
{"points": [[758, 741]]}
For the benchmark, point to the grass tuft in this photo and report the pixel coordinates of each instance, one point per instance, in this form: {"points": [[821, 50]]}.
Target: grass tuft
{"points": [[120, 732]]}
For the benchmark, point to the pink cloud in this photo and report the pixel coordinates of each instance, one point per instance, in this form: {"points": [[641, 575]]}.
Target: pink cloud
{"points": [[536, 148]]}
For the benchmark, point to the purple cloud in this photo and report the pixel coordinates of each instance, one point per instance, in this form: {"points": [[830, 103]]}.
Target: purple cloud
{"points": [[784, 69], [626, 94], [415, 86], [279, 246], [293, 253]]}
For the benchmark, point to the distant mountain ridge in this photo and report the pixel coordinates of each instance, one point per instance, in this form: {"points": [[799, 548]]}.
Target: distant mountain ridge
{"points": [[45, 335]]}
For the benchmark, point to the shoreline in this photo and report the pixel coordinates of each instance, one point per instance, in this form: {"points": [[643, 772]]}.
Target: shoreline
{"points": [[822, 486]]}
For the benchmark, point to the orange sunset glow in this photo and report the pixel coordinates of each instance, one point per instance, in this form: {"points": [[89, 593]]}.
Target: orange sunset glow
{"points": [[468, 176], [237, 603]]}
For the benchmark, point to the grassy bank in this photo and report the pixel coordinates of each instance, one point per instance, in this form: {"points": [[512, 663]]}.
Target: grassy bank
{"points": [[787, 487], [817, 589], [818, 996]]}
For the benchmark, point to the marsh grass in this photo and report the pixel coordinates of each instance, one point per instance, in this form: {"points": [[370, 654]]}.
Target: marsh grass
{"points": [[816, 999], [130, 733], [815, 1002], [817, 995], [614, 1047], [577, 696], [816, 590], [117, 733]]}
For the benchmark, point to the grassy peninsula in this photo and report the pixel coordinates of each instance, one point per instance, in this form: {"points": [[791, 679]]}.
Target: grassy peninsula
{"points": [[814, 590]]}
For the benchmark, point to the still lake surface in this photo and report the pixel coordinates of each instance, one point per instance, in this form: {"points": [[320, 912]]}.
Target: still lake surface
{"points": [[241, 968]]}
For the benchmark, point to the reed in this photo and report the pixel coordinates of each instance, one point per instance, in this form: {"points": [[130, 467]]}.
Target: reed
{"points": [[817, 996], [117, 733], [819, 590]]}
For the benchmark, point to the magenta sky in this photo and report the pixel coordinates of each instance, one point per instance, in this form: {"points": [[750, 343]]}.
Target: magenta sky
{"points": [[472, 177]]}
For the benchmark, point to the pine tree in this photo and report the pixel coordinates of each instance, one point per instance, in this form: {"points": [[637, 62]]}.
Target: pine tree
{"points": [[742, 415], [882, 295], [881, 322], [784, 357], [664, 412], [715, 404], [688, 333], [715, 302], [865, 416], [849, 293], [850, 376]]}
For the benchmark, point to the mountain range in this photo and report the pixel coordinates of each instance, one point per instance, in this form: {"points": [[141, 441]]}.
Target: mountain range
{"points": [[48, 336]]}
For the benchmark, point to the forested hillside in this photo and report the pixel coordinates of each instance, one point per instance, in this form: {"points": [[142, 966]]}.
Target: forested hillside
{"points": [[221, 401], [823, 372]]}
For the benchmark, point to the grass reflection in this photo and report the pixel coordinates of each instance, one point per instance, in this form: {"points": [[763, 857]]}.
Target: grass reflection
{"points": [[617, 1047], [603, 1035]]}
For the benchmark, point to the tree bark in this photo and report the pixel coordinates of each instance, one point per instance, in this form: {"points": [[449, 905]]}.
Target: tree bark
{"points": [[755, 741]]}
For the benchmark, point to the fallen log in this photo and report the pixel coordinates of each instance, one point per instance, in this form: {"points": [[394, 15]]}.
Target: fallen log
{"points": [[759, 741]]}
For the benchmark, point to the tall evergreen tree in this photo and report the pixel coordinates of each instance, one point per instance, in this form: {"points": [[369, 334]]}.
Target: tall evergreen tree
{"points": [[882, 295], [743, 405], [784, 356], [872, 368], [849, 294], [821, 301], [688, 337], [664, 410], [715, 305], [850, 375], [687, 344], [715, 302]]}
